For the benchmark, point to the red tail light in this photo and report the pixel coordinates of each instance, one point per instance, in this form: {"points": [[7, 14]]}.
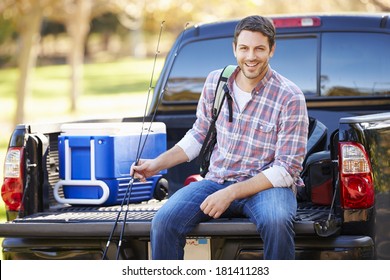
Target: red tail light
{"points": [[12, 189], [357, 188]]}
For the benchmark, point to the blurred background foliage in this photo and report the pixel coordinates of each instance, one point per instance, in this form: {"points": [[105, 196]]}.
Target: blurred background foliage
{"points": [[130, 27]]}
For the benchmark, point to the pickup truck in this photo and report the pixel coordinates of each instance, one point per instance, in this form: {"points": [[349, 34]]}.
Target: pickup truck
{"points": [[341, 64]]}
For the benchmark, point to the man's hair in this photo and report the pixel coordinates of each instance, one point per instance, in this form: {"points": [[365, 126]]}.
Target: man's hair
{"points": [[256, 24]]}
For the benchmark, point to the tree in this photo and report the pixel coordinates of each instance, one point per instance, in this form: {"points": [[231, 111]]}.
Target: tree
{"points": [[27, 16], [76, 16]]}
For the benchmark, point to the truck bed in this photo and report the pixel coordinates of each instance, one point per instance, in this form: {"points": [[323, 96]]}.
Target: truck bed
{"points": [[59, 220]]}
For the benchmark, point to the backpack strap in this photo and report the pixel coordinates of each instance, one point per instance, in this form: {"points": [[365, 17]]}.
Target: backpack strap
{"points": [[221, 92]]}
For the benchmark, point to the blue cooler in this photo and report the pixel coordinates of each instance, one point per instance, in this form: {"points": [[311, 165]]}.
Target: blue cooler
{"points": [[95, 161]]}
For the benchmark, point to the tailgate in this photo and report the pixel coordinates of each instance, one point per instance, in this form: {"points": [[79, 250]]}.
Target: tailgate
{"points": [[99, 221]]}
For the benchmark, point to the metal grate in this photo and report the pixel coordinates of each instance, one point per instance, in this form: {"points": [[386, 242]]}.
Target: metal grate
{"points": [[52, 167], [76, 217], [143, 212], [137, 212]]}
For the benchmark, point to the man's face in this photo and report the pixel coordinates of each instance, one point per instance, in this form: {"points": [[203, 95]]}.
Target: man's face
{"points": [[252, 52]]}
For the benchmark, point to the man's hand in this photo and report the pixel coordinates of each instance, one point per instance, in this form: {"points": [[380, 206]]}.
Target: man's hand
{"points": [[146, 168], [217, 203], [143, 170]]}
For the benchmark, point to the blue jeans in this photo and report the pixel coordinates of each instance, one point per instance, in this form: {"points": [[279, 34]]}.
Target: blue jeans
{"points": [[272, 211]]}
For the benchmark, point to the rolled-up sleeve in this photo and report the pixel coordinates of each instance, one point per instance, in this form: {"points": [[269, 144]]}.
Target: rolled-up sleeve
{"points": [[190, 146], [278, 176], [292, 137]]}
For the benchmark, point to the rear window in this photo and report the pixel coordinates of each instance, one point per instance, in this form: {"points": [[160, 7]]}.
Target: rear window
{"points": [[296, 59], [352, 64], [355, 64], [193, 63]]}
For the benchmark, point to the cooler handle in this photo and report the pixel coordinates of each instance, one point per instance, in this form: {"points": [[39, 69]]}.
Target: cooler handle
{"points": [[101, 200], [69, 182]]}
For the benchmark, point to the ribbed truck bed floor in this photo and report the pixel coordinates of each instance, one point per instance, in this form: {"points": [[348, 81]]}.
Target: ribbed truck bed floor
{"points": [[95, 221]]}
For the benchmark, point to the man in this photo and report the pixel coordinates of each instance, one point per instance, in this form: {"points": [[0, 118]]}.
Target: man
{"points": [[255, 166]]}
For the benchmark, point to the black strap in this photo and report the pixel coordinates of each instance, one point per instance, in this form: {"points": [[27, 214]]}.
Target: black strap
{"points": [[221, 92], [230, 102]]}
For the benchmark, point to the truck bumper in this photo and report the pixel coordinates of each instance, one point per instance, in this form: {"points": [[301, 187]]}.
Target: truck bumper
{"points": [[307, 248], [318, 248]]}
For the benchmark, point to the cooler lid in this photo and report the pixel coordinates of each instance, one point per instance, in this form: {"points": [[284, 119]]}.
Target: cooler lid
{"points": [[112, 128]]}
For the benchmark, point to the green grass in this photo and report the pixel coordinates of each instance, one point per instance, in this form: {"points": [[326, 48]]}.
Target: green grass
{"points": [[114, 89], [109, 89]]}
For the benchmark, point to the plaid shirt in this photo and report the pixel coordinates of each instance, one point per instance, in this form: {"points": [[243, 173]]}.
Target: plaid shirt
{"points": [[271, 129]]}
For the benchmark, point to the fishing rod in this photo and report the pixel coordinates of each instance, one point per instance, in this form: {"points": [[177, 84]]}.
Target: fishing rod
{"points": [[116, 220], [140, 150], [163, 91], [157, 52], [131, 182]]}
